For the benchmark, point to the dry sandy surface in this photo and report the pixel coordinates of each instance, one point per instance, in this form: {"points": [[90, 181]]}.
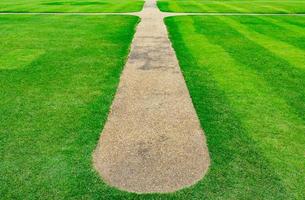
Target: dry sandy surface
{"points": [[152, 141]]}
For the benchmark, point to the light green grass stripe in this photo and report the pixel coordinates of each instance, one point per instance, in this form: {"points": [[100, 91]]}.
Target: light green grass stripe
{"points": [[70, 6], [195, 5], [238, 82], [279, 21], [232, 73], [238, 9], [223, 128], [266, 116], [244, 10], [232, 6], [286, 51], [296, 21], [286, 80], [272, 9], [54, 104], [263, 26], [204, 7], [276, 8]]}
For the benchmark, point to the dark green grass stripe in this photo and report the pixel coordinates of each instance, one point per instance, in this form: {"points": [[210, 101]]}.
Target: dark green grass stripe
{"points": [[260, 9], [70, 6], [273, 112], [199, 5], [231, 167], [235, 8], [297, 21], [53, 109], [163, 5], [231, 6], [295, 56], [285, 24], [264, 26], [285, 79]]}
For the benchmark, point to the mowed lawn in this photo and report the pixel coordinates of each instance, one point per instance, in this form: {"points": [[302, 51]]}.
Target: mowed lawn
{"points": [[233, 6], [58, 76], [71, 5], [246, 76]]}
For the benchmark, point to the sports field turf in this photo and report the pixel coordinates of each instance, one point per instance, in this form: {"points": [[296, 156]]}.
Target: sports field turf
{"points": [[71, 5], [239, 6], [58, 76], [246, 76]]}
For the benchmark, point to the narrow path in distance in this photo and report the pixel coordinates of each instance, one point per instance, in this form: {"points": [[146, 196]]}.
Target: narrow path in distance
{"points": [[152, 140]]}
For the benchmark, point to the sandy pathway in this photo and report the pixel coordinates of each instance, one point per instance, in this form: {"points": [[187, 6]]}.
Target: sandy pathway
{"points": [[152, 141]]}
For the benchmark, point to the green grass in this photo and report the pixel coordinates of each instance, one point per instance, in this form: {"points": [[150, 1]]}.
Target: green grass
{"points": [[235, 6], [71, 5], [246, 76], [58, 76]]}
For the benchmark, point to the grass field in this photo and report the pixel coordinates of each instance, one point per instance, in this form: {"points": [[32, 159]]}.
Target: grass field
{"points": [[246, 76], [71, 5], [256, 6], [58, 75]]}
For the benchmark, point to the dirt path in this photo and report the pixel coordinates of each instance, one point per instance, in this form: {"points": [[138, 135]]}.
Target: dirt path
{"points": [[152, 141]]}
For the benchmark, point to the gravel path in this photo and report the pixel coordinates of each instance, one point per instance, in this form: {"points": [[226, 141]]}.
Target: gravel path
{"points": [[152, 141]]}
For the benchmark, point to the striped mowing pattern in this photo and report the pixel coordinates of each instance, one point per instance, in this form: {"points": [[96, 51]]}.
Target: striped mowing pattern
{"points": [[246, 76], [257, 6]]}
